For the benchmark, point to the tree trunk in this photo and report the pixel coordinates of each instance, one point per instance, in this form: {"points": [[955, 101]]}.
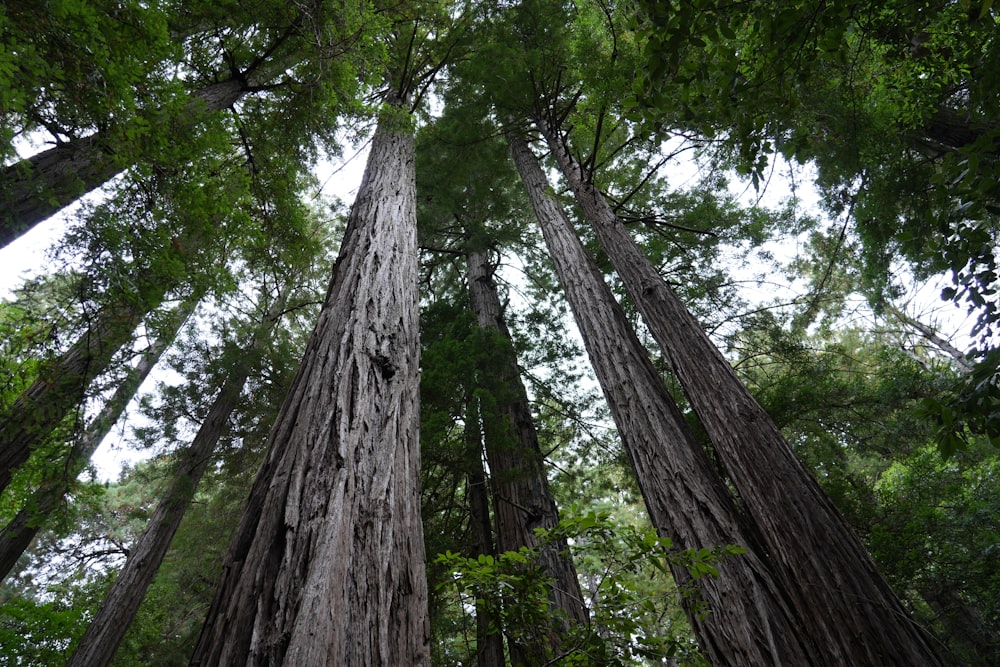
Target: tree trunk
{"points": [[948, 131], [327, 567], [749, 623], [61, 385], [489, 641], [107, 629], [521, 497], [964, 626], [18, 534], [823, 568], [40, 186]]}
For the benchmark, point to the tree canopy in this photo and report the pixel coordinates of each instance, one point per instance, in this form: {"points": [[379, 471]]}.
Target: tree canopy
{"points": [[537, 395]]}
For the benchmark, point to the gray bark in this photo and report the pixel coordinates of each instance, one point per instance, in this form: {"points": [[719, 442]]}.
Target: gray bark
{"points": [[21, 530], [40, 186], [327, 566], [823, 568], [520, 489], [104, 635], [749, 623], [965, 366]]}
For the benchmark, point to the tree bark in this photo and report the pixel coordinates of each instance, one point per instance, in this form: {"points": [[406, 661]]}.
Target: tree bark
{"points": [[104, 635], [489, 641], [520, 489], [749, 622], [327, 567], [40, 186], [18, 534], [961, 360], [823, 568], [62, 384]]}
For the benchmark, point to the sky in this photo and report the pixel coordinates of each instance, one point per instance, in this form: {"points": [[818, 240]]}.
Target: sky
{"points": [[30, 255]]}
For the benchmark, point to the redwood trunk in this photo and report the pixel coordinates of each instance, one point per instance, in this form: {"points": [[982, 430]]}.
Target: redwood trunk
{"points": [[749, 623], [18, 534], [61, 386], [40, 186], [522, 501], [489, 641], [843, 607], [107, 629], [327, 567]]}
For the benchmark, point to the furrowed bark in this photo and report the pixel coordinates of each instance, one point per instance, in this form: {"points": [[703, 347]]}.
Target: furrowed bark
{"points": [[18, 534], [749, 623], [823, 568], [104, 635], [520, 489], [40, 186], [327, 567]]}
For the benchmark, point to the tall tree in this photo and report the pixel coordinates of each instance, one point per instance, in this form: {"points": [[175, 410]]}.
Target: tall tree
{"points": [[39, 186], [62, 383], [327, 564], [522, 501], [107, 629], [750, 620], [269, 50], [21, 530], [894, 104], [489, 637], [468, 202], [805, 536]]}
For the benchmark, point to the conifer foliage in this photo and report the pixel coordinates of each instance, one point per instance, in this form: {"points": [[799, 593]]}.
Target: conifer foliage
{"points": [[531, 420]]}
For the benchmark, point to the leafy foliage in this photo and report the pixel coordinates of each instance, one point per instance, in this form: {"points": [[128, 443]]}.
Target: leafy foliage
{"points": [[895, 104], [630, 616]]}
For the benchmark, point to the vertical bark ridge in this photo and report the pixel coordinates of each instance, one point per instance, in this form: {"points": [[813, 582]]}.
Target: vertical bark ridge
{"points": [[821, 564], [520, 488], [331, 569], [749, 622]]}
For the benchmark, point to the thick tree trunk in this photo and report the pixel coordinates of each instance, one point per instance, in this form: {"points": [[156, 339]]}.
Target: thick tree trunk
{"points": [[749, 623], [18, 534], [107, 629], [521, 497], [964, 626], [823, 568], [327, 567], [40, 186], [61, 385], [489, 641]]}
